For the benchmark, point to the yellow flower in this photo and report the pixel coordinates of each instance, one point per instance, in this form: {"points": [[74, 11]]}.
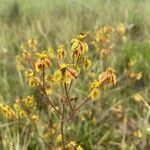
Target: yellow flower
{"points": [[18, 59], [61, 52], [65, 74], [67, 77], [63, 66], [137, 97], [16, 105], [30, 102], [132, 62], [34, 81], [138, 134], [48, 78], [42, 55], [20, 67], [79, 44], [32, 43], [57, 77], [95, 84], [72, 73], [29, 73], [76, 68], [50, 52], [102, 36], [35, 118], [105, 52], [83, 47], [75, 43], [79, 147], [121, 28], [22, 114], [26, 55], [71, 145], [94, 94], [11, 146], [41, 64], [82, 36], [75, 54], [59, 139], [138, 75], [132, 75], [8, 112], [108, 76], [87, 64]]}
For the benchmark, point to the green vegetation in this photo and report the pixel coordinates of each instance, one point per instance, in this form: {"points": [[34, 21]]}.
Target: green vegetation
{"points": [[56, 22]]}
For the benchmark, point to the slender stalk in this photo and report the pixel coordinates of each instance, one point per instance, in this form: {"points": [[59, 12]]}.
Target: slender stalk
{"points": [[70, 86], [47, 110], [147, 105], [49, 102], [67, 95], [62, 128], [82, 104], [72, 114], [102, 101], [43, 77]]}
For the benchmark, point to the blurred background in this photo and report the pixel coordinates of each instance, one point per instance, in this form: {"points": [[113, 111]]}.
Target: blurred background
{"points": [[53, 22]]}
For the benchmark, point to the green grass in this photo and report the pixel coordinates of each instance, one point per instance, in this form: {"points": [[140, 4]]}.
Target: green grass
{"points": [[54, 22]]}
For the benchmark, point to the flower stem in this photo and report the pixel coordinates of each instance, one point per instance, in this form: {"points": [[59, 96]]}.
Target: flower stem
{"points": [[62, 128]]}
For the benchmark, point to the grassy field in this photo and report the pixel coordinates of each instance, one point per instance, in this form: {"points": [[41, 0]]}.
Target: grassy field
{"points": [[53, 22]]}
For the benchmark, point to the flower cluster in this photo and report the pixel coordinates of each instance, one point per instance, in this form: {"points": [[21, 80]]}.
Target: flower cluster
{"points": [[7, 111], [106, 77], [72, 145], [42, 62], [21, 110], [79, 46], [121, 29], [104, 40], [130, 71], [65, 73], [55, 73]]}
